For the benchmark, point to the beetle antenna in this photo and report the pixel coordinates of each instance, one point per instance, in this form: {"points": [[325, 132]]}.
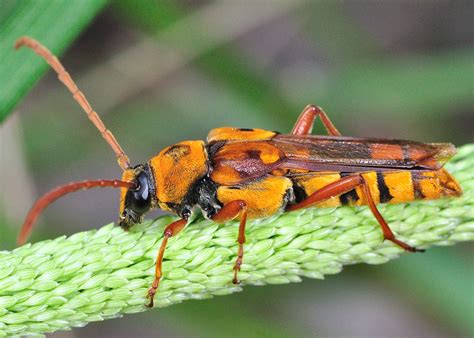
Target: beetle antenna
{"points": [[56, 193], [79, 96]]}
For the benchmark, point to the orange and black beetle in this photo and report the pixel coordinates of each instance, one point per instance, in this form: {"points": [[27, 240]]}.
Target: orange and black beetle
{"points": [[252, 173]]}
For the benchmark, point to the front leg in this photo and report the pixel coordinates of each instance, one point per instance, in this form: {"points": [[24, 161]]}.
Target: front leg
{"points": [[305, 122], [170, 230], [230, 211]]}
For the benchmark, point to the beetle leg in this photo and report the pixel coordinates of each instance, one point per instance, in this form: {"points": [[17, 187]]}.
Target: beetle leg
{"points": [[387, 232], [229, 212], [170, 230], [304, 124], [336, 188], [344, 185]]}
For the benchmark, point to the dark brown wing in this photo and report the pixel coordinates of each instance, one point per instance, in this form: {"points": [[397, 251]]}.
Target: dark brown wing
{"points": [[235, 162], [349, 154]]}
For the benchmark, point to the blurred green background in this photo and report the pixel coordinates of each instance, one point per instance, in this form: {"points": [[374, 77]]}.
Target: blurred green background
{"points": [[163, 71]]}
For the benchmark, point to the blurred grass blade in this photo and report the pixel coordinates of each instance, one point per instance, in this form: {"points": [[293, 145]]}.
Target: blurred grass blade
{"points": [[221, 317], [415, 85], [433, 281], [55, 23], [211, 50]]}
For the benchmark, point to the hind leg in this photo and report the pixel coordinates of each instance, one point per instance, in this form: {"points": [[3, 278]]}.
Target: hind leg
{"points": [[347, 184], [305, 122]]}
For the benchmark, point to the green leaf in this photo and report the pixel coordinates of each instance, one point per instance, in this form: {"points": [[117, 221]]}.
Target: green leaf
{"points": [[55, 23]]}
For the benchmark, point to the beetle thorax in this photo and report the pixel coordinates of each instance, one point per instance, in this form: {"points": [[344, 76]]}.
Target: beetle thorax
{"points": [[175, 170]]}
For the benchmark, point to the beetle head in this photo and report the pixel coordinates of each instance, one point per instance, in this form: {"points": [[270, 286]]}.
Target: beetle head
{"points": [[136, 201]]}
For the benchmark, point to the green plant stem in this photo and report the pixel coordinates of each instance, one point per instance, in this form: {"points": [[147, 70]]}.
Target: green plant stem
{"points": [[99, 274]]}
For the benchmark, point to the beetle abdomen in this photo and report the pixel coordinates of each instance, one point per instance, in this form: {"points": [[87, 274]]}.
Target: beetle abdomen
{"points": [[385, 187]]}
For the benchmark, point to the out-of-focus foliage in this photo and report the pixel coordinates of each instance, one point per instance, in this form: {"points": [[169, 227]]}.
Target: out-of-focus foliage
{"points": [[54, 23]]}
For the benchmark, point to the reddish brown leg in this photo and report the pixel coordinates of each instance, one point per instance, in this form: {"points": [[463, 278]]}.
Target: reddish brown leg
{"points": [[333, 189], [387, 232], [171, 230], [227, 213], [304, 124], [342, 186]]}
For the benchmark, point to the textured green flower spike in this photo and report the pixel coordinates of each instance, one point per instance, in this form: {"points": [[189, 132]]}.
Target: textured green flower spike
{"points": [[99, 274]]}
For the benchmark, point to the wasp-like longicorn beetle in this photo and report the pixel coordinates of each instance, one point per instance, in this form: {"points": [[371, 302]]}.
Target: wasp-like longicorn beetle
{"points": [[241, 173]]}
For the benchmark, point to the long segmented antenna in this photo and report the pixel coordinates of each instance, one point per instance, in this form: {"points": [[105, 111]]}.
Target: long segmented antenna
{"points": [[79, 96], [60, 191]]}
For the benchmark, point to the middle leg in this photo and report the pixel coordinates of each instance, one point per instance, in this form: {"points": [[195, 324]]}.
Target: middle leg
{"points": [[227, 213], [260, 198]]}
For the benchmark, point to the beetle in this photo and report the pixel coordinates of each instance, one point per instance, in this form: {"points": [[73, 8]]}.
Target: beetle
{"points": [[241, 173]]}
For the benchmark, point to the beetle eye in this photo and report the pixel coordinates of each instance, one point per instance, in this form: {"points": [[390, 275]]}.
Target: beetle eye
{"points": [[139, 199]]}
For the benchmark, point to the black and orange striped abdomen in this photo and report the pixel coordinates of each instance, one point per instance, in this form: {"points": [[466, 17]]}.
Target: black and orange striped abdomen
{"points": [[385, 187]]}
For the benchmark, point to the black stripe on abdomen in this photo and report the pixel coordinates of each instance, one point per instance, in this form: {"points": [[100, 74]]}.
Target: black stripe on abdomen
{"points": [[300, 193], [416, 179], [349, 197], [385, 195]]}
